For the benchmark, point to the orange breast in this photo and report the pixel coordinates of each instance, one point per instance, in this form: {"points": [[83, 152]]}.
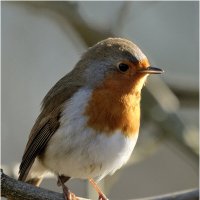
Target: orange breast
{"points": [[115, 105]]}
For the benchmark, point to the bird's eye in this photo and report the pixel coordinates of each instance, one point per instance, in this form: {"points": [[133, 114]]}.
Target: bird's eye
{"points": [[123, 67]]}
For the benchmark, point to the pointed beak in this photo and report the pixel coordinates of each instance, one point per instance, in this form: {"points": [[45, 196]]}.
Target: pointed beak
{"points": [[151, 70]]}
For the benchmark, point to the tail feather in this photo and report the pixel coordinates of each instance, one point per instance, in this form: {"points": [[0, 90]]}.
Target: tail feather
{"points": [[35, 181], [33, 174], [23, 174]]}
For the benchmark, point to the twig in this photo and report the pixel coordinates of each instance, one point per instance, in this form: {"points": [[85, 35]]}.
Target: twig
{"points": [[13, 189], [192, 194], [17, 190]]}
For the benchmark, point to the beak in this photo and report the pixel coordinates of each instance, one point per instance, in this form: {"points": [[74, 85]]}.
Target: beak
{"points": [[151, 70]]}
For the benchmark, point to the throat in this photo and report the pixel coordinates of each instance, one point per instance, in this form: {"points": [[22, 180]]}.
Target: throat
{"points": [[109, 111]]}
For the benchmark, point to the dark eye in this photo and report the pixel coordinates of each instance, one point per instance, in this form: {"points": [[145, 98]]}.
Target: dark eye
{"points": [[123, 67]]}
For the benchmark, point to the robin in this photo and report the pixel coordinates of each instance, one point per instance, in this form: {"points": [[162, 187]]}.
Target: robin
{"points": [[90, 119]]}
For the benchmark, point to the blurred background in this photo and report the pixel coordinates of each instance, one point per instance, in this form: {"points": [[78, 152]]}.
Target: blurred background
{"points": [[42, 41]]}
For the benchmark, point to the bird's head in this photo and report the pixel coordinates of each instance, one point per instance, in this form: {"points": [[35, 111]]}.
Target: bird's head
{"points": [[117, 63]]}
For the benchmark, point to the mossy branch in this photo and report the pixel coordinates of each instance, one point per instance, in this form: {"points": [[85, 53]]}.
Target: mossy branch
{"points": [[13, 189]]}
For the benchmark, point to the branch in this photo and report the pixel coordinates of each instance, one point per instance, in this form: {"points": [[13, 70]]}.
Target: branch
{"points": [[192, 194], [70, 11], [13, 189]]}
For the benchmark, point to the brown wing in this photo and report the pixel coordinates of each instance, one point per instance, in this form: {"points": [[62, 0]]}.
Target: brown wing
{"points": [[48, 121], [39, 137]]}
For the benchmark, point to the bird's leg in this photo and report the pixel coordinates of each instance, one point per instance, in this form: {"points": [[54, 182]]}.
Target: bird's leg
{"points": [[62, 179], [67, 194], [98, 190]]}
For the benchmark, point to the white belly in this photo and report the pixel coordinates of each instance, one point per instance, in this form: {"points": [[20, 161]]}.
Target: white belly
{"points": [[80, 152]]}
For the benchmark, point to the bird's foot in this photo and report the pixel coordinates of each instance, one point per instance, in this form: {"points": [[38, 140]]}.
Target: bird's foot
{"points": [[102, 196], [68, 195]]}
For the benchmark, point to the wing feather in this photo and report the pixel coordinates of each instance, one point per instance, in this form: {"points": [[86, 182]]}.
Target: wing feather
{"points": [[37, 143], [48, 121]]}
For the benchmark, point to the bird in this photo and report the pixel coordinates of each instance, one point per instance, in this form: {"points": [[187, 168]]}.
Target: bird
{"points": [[90, 119]]}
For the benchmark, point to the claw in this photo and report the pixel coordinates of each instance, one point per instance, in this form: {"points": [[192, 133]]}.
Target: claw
{"points": [[102, 197], [70, 196]]}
